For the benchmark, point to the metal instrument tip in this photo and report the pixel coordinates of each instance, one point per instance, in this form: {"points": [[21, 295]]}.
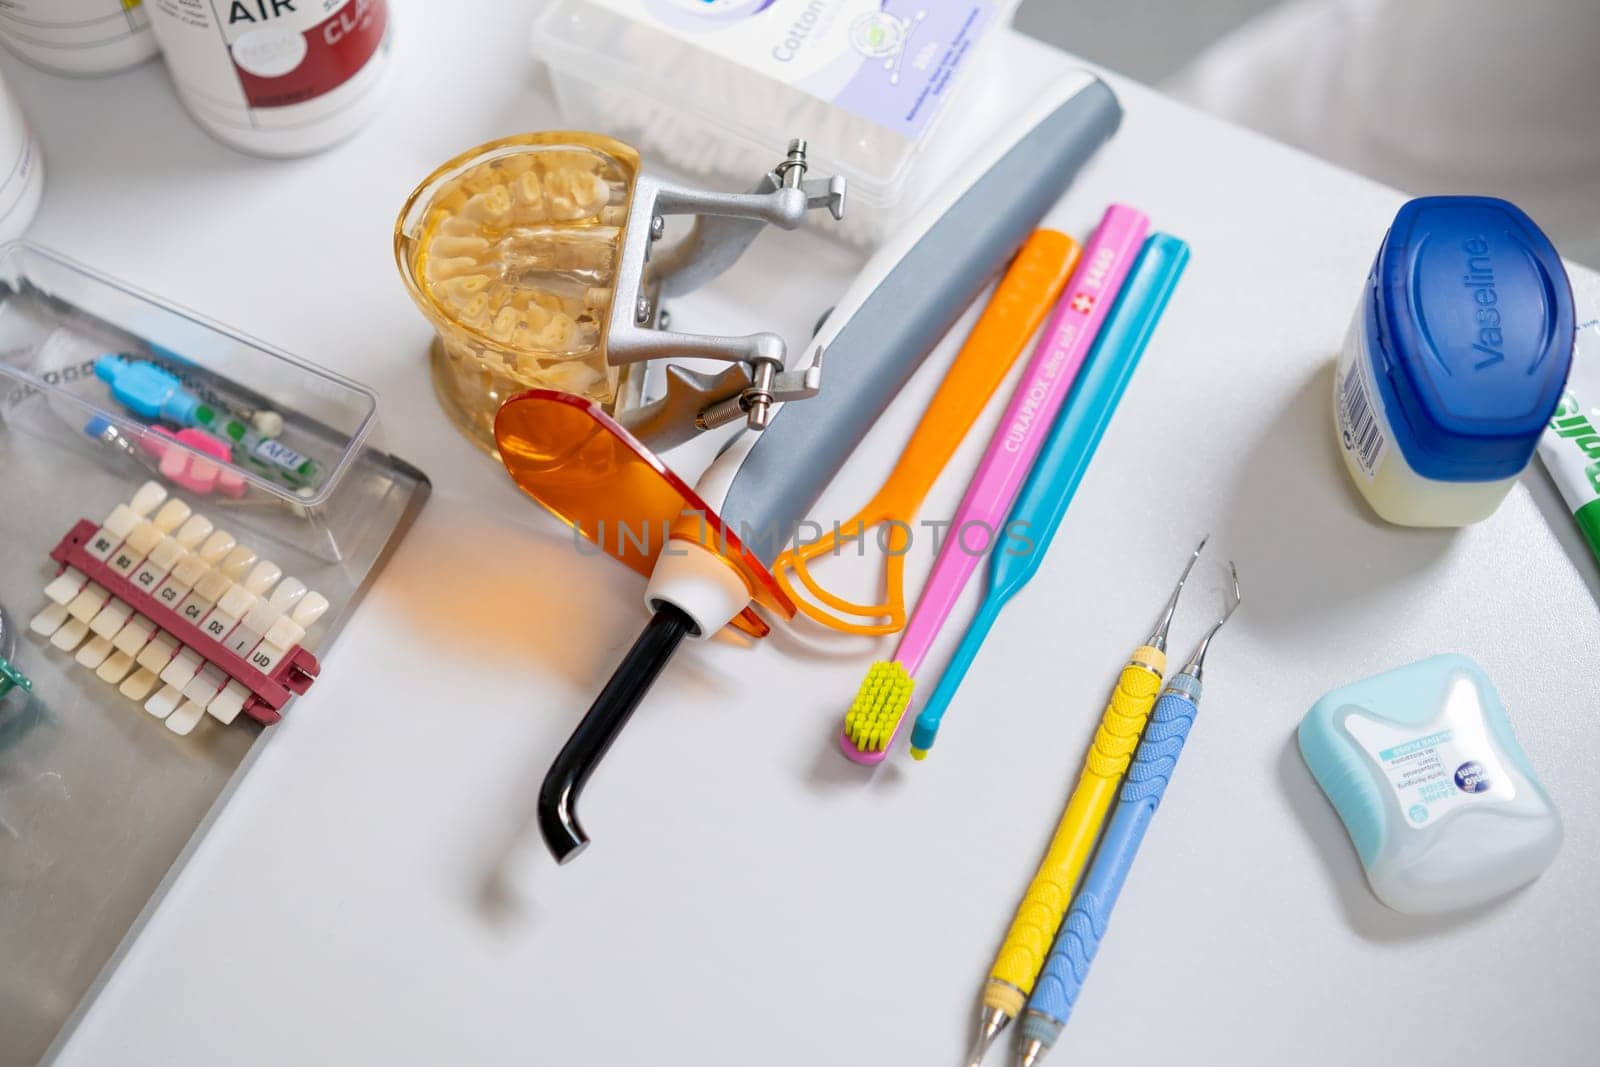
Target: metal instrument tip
{"points": [[1158, 639], [1197, 662], [990, 1022]]}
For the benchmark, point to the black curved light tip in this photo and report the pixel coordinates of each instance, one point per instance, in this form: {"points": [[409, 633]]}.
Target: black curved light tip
{"points": [[610, 712]]}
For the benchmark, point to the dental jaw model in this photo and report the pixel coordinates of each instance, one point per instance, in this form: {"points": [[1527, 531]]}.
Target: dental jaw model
{"points": [[539, 261], [904, 300]]}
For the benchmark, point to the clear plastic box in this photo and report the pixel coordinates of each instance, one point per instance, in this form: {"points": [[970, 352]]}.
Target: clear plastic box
{"points": [[58, 318], [656, 80]]}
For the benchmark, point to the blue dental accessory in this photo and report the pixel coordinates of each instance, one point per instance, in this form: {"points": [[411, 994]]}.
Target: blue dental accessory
{"points": [[147, 390], [153, 392]]}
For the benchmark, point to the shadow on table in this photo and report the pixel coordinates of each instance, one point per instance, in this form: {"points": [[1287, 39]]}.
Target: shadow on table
{"points": [[1314, 545], [501, 593]]}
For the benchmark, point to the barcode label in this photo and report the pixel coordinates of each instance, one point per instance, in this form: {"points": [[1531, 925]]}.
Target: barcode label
{"points": [[1359, 429]]}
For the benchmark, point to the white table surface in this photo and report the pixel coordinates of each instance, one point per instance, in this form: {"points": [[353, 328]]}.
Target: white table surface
{"points": [[750, 897]]}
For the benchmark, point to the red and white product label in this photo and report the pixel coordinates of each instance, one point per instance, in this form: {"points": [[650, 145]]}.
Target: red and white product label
{"points": [[241, 61], [287, 56]]}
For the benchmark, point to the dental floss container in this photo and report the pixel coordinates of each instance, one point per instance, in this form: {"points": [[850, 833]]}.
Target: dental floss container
{"points": [[23, 185], [1454, 362], [78, 37], [1439, 799], [712, 88], [275, 78]]}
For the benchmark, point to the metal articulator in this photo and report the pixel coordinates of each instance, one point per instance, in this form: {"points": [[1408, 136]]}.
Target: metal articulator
{"points": [[637, 329]]}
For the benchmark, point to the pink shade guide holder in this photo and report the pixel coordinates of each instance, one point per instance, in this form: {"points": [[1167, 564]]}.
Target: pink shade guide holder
{"points": [[1054, 366], [190, 471]]}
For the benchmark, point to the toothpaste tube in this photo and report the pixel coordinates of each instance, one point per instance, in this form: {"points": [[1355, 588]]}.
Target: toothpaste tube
{"points": [[1570, 446]]}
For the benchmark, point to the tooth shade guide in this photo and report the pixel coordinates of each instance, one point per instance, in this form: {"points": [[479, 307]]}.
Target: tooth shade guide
{"points": [[215, 547], [71, 633], [165, 702], [218, 624], [138, 642], [94, 652], [195, 530], [112, 618], [137, 686], [48, 621], [134, 636], [173, 514], [149, 496], [183, 720], [87, 604], [116, 667], [237, 562], [242, 640], [158, 653], [172, 591], [65, 586], [227, 704]]}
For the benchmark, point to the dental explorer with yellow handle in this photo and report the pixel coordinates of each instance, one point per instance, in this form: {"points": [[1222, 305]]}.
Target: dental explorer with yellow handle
{"points": [[1153, 765], [1044, 905]]}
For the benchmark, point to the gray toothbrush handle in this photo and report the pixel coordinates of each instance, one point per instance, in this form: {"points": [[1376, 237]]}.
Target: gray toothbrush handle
{"points": [[908, 297]]}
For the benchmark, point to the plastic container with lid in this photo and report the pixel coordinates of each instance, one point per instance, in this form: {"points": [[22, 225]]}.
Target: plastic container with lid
{"points": [[78, 37], [714, 88], [1454, 362], [276, 78], [22, 186], [1440, 800], [58, 323]]}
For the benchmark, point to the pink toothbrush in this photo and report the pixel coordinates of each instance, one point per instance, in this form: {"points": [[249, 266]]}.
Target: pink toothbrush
{"points": [[885, 696]]}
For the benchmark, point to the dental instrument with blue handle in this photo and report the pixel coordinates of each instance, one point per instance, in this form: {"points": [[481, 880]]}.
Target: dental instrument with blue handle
{"points": [[1044, 498], [1154, 762]]}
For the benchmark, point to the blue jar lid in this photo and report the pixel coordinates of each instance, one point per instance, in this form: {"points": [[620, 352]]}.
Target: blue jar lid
{"points": [[1471, 325]]}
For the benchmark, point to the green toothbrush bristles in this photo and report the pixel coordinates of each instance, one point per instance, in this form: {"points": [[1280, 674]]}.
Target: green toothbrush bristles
{"points": [[882, 700]]}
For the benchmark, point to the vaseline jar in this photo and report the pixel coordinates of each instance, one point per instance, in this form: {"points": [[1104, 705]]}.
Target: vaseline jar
{"points": [[1455, 360]]}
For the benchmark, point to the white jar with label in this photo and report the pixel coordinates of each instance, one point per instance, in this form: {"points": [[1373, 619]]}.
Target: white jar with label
{"points": [[21, 169], [78, 37], [276, 77]]}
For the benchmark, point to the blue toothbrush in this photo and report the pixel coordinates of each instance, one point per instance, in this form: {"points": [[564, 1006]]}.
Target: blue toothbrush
{"points": [[1043, 500], [1153, 763]]}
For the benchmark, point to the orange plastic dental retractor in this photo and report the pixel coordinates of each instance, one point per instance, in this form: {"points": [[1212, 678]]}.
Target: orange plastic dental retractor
{"points": [[1020, 303], [584, 467]]}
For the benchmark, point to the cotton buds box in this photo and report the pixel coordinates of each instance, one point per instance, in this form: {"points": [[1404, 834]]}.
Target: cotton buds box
{"points": [[1440, 800], [714, 88], [1454, 362]]}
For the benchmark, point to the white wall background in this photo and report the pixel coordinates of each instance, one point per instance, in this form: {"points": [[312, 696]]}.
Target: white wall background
{"points": [[1427, 96]]}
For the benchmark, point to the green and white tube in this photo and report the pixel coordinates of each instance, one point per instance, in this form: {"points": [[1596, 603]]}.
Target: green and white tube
{"points": [[1570, 447]]}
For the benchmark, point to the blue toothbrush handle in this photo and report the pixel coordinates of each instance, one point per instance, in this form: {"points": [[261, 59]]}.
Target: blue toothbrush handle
{"points": [[1153, 763], [926, 727]]}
